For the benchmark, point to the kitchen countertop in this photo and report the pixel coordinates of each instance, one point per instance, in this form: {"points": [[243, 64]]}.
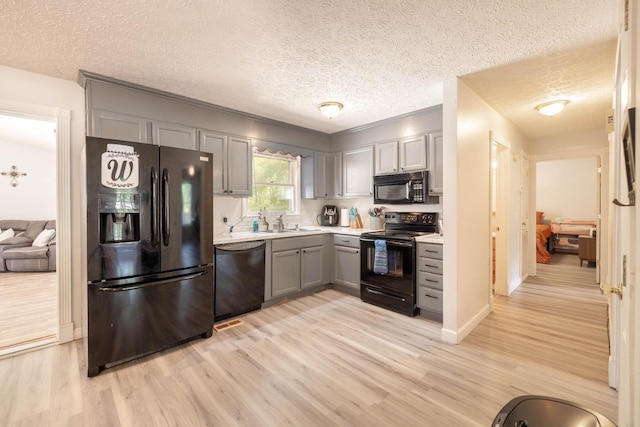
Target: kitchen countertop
{"points": [[431, 238], [247, 236]]}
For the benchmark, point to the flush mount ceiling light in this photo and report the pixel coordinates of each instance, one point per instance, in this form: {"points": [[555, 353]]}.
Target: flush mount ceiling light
{"points": [[552, 108], [330, 109]]}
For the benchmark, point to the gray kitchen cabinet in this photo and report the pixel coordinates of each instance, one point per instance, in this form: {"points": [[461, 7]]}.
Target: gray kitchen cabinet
{"points": [[413, 154], [232, 162], [358, 172], [436, 164], [347, 261], [386, 158], [311, 266], [334, 173], [285, 272], [172, 135], [314, 176], [430, 280], [321, 176], [122, 127], [405, 155], [297, 263]]}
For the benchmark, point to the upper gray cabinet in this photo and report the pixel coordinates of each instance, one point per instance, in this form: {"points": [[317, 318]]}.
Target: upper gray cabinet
{"points": [[334, 172], [232, 162], [358, 172], [435, 163], [105, 124], [405, 155], [413, 153], [322, 176], [386, 158], [172, 135]]}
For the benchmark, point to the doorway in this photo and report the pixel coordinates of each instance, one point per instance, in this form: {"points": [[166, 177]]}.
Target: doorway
{"points": [[500, 153], [28, 289], [62, 118]]}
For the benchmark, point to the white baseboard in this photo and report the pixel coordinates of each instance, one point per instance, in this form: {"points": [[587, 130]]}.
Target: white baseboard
{"points": [[455, 337], [65, 333]]}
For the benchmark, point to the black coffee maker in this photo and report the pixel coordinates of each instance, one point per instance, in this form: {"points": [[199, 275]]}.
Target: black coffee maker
{"points": [[329, 216]]}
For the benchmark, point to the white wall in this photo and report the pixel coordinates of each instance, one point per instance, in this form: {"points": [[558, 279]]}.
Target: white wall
{"points": [[468, 122], [567, 188], [35, 89], [35, 196]]}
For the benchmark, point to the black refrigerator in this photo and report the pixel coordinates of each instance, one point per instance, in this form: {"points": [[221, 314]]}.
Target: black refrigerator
{"points": [[150, 281]]}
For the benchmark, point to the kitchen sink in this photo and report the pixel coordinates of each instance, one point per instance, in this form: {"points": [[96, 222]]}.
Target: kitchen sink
{"points": [[291, 230]]}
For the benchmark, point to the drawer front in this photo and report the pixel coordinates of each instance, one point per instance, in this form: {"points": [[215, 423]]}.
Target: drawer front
{"points": [[344, 240], [430, 280], [430, 265], [430, 299], [431, 250], [289, 243]]}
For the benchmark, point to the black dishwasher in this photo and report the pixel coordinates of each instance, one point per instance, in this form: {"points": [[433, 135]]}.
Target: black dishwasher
{"points": [[239, 284]]}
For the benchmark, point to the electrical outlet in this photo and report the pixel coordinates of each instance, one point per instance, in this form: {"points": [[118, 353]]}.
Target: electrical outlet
{"points": [[224, 219]]}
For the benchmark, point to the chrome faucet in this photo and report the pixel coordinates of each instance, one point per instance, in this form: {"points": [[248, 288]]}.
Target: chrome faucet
{"points": [[280, 222]]}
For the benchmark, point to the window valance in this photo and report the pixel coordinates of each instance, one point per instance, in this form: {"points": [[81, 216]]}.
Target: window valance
{"points": [[284, 149]]}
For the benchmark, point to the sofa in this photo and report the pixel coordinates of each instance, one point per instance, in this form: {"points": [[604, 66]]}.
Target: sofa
{"points": [[32, 247]]}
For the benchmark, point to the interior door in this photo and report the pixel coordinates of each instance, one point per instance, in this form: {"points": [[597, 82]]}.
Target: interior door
{"points": [[525, 192], [499, 216]]}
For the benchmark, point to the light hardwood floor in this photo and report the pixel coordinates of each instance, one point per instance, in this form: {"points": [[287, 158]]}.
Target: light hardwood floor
{"points": [[28, 309], [329, 359]]}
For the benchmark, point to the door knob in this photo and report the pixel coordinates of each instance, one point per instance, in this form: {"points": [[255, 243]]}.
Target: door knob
{"points": [[606, 290]]}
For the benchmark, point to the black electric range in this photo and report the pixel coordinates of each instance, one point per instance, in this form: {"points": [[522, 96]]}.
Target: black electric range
{"points": [[389, 280]]}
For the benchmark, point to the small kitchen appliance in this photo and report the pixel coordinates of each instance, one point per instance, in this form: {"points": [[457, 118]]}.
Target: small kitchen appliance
{"points": [[401, 188], [329, 216]]}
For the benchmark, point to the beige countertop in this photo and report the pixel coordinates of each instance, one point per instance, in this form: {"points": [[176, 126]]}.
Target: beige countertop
{"points": [[430, 238], [247, 236]]}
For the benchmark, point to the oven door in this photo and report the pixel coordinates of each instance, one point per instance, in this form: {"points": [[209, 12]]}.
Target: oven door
{"points": [[399, 274]]}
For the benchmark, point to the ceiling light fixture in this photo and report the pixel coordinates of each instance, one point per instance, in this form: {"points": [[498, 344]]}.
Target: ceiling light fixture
{"points": [[330, 109], [552, 108]]}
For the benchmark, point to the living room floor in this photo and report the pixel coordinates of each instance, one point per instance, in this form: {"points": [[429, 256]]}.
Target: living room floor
{"points": [[28, 308]]}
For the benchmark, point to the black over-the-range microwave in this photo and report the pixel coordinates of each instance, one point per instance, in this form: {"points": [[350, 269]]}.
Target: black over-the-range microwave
{"points": [[400, 188]]}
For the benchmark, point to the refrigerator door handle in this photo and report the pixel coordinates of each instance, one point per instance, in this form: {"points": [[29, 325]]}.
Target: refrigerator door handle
{"points": [[154, 206], [124, 288], [165, 207]]}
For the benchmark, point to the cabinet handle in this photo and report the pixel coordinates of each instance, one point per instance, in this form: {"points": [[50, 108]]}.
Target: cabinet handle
{"points": [[430, 251], [357, 252], [432, 266], [427, 295], [429, 280], [230, 191]]}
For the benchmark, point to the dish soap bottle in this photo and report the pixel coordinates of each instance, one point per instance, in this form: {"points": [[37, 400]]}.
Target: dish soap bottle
{"points": [[255, 225]]}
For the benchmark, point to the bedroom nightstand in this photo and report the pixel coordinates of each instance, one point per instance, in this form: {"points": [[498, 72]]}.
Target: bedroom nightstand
{"points": [[586, 249]]}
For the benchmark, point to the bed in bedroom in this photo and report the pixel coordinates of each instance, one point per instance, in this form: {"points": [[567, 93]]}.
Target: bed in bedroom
{"points": [[566, 232]]}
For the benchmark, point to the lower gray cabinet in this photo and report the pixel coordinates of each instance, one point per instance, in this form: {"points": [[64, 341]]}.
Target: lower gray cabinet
{"points": [[311, 266], [285, 272], [296, 264], [347, 261], [430, 280]]}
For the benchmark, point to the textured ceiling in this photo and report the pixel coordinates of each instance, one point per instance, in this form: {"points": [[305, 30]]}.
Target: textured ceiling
{"points": [[280, 59]]}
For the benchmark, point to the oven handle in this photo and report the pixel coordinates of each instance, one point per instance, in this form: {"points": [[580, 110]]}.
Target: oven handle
{"points": [[389, 242], [373, 291]]}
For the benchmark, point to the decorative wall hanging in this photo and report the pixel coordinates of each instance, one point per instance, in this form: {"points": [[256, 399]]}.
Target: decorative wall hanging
{"points": [[14, 175]]}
